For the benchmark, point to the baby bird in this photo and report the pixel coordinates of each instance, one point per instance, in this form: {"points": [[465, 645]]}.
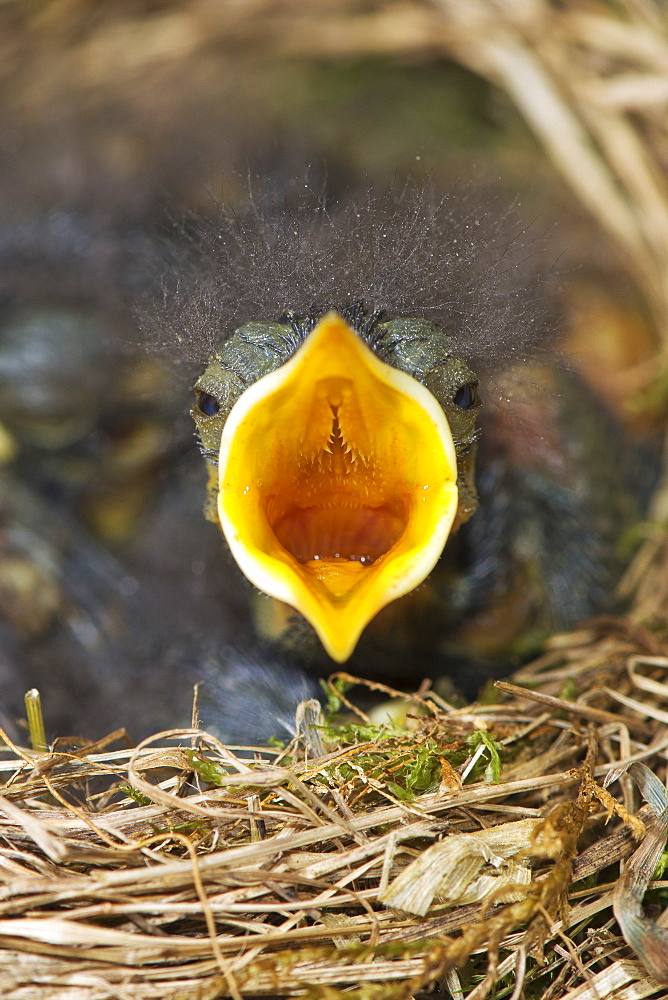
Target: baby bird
{"points": [[352, 357], [342, 437], [339, 474]]}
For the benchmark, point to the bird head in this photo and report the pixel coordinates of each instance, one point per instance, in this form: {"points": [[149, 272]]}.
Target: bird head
{"points": [[341, 450], [340, 438]]}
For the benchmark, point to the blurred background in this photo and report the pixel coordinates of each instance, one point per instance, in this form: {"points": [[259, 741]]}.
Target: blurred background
{"points": [[114, 599]]}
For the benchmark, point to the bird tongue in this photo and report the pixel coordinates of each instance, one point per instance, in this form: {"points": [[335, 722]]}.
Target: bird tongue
{"points": [[339, 531], [337, 483]]}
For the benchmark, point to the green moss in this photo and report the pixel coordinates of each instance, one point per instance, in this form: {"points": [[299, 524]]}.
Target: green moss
{"points": [[661, 867], [490, 760], [569, 690], [136, 796], [208, 770], [332, 689]]}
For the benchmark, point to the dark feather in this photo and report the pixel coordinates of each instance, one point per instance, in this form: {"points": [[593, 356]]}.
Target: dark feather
{"points": [[475, 269]]}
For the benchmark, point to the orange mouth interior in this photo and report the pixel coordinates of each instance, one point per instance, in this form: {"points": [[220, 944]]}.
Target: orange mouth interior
{"points": [[337, 483]]}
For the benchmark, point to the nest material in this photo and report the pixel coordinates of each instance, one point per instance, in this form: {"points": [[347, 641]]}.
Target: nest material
{"points": [[589, 76], [474, 837]]}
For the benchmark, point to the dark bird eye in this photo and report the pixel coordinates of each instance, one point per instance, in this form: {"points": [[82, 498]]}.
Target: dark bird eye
{"points": [[466, 397], [207, 404]]}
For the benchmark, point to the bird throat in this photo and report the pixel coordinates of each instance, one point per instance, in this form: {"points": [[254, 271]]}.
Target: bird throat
{"points": [[337, 483], [339, 507]]}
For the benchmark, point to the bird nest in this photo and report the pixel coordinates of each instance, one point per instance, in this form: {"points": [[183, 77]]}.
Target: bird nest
{"points": [[473, 847]]}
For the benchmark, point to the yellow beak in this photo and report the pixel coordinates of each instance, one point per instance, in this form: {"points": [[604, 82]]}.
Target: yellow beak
{"points": [[337, 483]]}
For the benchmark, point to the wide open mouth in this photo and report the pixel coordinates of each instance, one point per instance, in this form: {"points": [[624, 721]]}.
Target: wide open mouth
{"points": [[337, 483]]}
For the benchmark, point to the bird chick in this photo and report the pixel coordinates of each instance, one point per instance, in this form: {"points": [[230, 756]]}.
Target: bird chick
{"points": [[391, 321], [339, 474]]}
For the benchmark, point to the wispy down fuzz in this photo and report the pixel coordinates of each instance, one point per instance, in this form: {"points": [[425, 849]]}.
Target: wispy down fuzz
{"points": [[461, 261]]}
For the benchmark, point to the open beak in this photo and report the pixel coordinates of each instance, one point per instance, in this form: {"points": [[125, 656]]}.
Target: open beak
{"points": [[337, 486]]}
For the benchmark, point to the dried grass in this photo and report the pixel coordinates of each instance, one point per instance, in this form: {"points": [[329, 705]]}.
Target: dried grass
{"points": [[590, 77], [181, 869]]}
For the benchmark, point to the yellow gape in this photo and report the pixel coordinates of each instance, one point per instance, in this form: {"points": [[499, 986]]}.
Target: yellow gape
{"points": [[337, 486]]}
